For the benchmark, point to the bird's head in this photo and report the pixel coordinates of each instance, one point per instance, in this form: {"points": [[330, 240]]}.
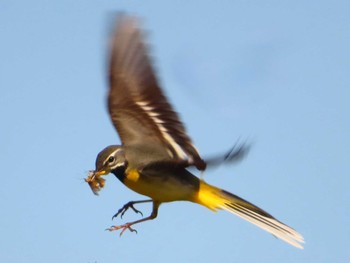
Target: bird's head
{"points": [[108, 160]]}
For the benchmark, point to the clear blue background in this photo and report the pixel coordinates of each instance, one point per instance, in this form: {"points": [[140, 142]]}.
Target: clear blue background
{"points": [[273, 72]]}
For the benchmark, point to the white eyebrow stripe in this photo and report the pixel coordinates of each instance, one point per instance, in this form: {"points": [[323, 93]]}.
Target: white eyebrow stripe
{"points": [[145, 106], [113, 153]]}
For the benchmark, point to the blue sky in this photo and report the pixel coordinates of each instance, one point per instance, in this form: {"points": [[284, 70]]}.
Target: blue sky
{"points": [[273, 72]]}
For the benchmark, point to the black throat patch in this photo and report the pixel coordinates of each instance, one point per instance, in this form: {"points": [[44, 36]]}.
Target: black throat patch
{"points": [[119, 172]]}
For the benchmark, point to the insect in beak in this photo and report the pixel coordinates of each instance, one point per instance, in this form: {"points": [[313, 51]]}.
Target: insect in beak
{"points": [[95, 181]]}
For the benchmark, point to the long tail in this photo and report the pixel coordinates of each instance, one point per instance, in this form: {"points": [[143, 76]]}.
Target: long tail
{"points": [[215, 198]]}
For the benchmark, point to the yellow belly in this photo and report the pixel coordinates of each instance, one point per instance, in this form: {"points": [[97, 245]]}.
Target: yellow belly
{"points": [[165, 188]]}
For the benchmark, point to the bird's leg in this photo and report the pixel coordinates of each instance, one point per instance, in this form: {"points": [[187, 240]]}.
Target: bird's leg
{"points": [[128, 205], [126, 226]]}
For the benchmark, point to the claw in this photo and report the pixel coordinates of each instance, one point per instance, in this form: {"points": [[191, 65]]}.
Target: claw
{"points": [[125, 208], [123, 227], [135, 210], [126, 226]]}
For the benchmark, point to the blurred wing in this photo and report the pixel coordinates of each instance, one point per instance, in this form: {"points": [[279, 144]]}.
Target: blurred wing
{"points": [[138, 109], [233, 156]]}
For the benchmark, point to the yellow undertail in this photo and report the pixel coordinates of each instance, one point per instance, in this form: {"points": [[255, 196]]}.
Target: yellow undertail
{"points": [[215, 199]]}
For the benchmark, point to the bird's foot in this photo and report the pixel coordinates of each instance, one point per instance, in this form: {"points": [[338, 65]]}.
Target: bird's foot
{"points": [[125, 208], [123, 227]]}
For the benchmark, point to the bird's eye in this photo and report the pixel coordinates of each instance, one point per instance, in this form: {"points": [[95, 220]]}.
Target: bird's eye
{"points": [[111, 159]]}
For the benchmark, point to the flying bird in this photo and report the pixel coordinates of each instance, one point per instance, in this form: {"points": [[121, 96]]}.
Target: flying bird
{"points": [[156, 152]]}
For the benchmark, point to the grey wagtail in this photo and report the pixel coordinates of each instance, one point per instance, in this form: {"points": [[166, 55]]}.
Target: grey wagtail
{"points": [[156, 152]]}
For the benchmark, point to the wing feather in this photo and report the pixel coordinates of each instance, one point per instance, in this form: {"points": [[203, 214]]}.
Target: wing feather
{"points": [[138, 108]]}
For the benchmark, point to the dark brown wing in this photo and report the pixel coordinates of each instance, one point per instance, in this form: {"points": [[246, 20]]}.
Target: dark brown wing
{"points": [[139, 110]]}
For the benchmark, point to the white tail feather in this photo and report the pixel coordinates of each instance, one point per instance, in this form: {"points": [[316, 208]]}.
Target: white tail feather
{"points": [[270, 225], [214, 198]]}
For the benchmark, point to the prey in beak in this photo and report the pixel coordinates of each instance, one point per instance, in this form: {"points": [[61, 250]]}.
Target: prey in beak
{"points": [[95, 180]]}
